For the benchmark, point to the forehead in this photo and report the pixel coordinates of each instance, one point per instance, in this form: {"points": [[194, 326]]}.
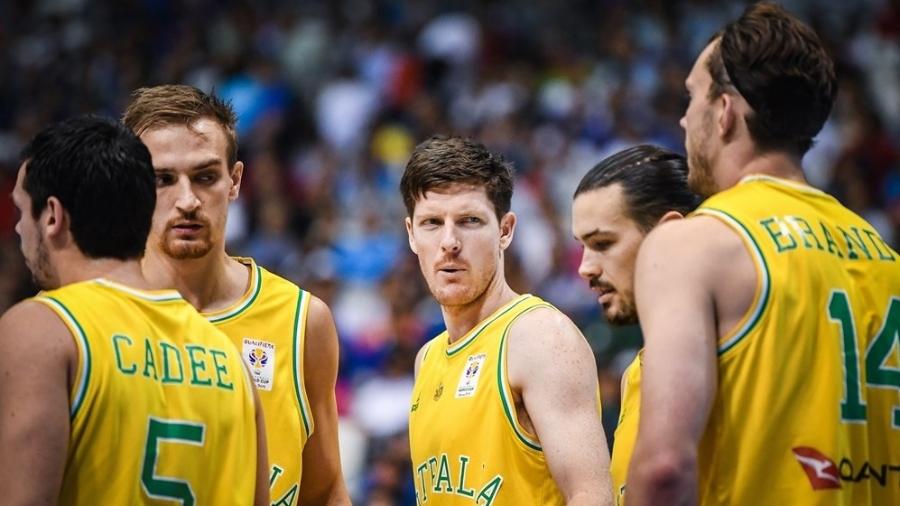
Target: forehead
{"points": [[601, 210], [700, 71], [19, 190], [172, 146], [454, 198]]}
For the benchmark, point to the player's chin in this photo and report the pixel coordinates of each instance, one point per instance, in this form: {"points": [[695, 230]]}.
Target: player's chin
{"points": [[617, 315], [187, 250], [453, 295]]}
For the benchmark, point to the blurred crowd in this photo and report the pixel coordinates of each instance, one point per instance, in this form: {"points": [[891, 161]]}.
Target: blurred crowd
{"points": [[332, 95]]}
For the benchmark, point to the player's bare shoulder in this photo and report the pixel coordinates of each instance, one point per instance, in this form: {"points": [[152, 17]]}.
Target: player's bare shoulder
{"points": [[36, 330], [542, 336], [685, 242], [700, 253], [544, 328]]}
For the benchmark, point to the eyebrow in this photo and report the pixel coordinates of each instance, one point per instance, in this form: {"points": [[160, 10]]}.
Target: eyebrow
{"points": [[593, 233], [196, 167]]}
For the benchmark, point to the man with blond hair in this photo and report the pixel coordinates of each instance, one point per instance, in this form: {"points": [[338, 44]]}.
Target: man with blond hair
{"points": [[286, 335]]}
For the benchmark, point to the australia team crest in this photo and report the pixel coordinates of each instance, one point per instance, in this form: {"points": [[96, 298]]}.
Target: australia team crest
{"points": [[260, 359], [468, 381]]}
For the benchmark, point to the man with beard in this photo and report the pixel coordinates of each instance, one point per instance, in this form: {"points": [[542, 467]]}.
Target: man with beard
{"points": [[113, 392], [615, 206], [771, 316], [505, 407], [286, 335]]}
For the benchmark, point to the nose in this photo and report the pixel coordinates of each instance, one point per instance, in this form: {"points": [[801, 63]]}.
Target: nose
{"points": [[683, 121], [589, 266], [187, 200], [450, 240]]}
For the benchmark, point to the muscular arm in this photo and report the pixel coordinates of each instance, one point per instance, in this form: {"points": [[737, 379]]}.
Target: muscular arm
{"points": [[685, 271], [553, 370], [323, 482], [37, 354]]}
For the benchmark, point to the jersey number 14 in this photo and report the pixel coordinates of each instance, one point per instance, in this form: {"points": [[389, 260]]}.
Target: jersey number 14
{"points": [[878, 375]]}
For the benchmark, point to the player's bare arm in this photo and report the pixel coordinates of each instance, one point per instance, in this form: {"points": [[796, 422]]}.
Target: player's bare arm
{"points": [[261, 497], [554, 379], [323, 482], [691, 283], [37, 361]]}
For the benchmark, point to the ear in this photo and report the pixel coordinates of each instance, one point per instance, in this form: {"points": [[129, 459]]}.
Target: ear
{"points": [[409, 235], [670, 216], [237, 174], [507, 229], [727, 116], [54, 219]]}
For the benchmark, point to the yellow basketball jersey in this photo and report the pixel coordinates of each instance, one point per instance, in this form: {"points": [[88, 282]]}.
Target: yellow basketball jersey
{"points": [[162, 408], [466, 443], [807, 409], [268, 325], [627, 428]]}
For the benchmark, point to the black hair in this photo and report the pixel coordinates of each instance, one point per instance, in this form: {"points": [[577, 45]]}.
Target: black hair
{"points": [[102, 175], [654, 182]]}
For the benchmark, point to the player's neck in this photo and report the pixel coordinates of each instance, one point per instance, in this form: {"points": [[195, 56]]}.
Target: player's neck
{"points": [[77, 268], [461, 319], [771, 163], [211, 283]]}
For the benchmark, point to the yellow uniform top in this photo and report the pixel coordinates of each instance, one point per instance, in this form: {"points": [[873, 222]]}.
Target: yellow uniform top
{"points": [[627, 428], [466, 442], [807, 409], [268, 325], [162, 408]]}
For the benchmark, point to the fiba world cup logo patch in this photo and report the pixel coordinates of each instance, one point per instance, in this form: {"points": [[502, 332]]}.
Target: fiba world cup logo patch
{"points": [[260, 356], [468, 381]]}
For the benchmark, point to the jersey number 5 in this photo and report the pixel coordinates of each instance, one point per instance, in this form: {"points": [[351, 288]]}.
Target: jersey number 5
{"points": [[160, 487], [878, 375]]}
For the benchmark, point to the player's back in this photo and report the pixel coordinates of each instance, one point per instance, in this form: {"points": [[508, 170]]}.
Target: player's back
{"points": [[807, 405], [161, 407]]}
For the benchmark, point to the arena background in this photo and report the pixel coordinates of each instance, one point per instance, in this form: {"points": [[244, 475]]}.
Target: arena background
{"points": [[333, 95]]}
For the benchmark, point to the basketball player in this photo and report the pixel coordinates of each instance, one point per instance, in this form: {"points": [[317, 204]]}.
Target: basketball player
{"points": [[286, 335], [771, 316], [616, 204], [505, 407], [113, 393]]}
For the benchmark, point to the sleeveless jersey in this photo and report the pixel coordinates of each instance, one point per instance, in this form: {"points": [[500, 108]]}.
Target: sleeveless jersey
{"points": [[466, 442], [268, 325], [627, 428], [161, 407], [807, 409]]}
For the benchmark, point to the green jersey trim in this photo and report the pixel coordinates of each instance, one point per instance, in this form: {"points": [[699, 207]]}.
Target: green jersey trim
{"points": [[300, 320], [466, 341], [255, 289], [762, 301], [505, 390], [84, 350], [158, 296], [784, 182]]}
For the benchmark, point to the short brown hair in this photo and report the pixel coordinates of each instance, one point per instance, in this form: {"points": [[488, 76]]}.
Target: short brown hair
{"points": [[780, 67], [180, 104], [442, 161]]}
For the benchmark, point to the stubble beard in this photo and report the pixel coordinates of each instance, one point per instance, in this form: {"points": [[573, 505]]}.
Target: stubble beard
{"points": [[40, 268], [626, 313], [700, 172], [185, 250]]}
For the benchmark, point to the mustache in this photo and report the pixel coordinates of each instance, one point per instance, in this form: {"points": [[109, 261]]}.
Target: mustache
{"points": [[596, 282], [191, 216]]}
